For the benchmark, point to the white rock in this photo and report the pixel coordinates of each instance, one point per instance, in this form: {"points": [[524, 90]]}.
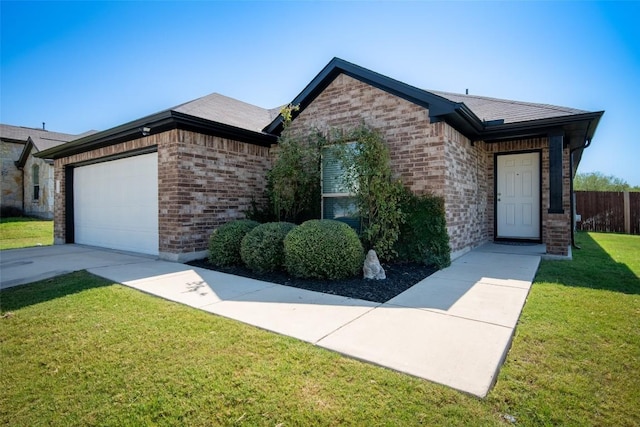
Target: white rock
{"points": [[372, 268]]}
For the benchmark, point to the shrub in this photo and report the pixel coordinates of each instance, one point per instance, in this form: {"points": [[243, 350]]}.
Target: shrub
{"points": [[262, 249], [423, 236], [369, 177], [323, 249], [225, 241], [293, 183]]}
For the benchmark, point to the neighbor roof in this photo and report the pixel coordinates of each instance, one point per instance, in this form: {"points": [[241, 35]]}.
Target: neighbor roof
{"points": [[42, 139]]}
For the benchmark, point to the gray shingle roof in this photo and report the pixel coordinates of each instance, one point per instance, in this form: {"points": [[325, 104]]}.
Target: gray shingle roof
{"points": [[42, 139], [229, 111], [510, 111]]}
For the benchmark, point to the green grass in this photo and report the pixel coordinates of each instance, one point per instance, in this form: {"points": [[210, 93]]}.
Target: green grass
{"points": [[79, 350], [25, 232], [575, 359]]}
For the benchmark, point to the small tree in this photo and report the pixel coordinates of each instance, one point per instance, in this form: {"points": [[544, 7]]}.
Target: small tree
{"points": [[597, 181], [294, 181], [369, 177]]}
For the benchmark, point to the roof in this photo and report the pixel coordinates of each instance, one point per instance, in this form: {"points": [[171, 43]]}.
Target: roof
{"points": [[213, 114], [42, 139], [478, 118], [508, 111], [222, 109]]}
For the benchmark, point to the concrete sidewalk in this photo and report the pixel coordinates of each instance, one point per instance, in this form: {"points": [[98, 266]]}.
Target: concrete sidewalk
{"points": [[453, 328]]}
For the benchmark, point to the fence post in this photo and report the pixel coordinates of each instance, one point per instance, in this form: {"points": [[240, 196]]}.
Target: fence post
{"points": [[627, 213]]}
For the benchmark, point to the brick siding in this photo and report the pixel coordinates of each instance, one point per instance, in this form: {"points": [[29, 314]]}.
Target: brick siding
{"points": [[203, 182], [466, 191], [435, 158]]}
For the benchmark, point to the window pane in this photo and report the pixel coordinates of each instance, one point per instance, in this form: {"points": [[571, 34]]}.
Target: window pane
{"points": [[36, 175], [332, 173], [341, 209]]}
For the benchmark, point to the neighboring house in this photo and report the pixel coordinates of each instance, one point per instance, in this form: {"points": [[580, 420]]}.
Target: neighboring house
{"points": [[160, 184], [27, 181]]}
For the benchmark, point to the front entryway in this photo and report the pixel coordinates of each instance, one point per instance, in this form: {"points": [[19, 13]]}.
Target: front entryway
{"points": [[518, 196]]}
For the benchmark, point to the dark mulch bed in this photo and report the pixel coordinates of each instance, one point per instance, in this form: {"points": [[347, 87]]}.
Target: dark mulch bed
{"points": [[400, 277]]}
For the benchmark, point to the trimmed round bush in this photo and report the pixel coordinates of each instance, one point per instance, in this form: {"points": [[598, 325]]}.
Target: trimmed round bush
{"points": [[262, 249], [323, 249], [225, 241]]}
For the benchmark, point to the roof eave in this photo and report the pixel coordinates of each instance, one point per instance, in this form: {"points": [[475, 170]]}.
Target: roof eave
{"points": [[532, 128], [24, 154], [157, 123]]}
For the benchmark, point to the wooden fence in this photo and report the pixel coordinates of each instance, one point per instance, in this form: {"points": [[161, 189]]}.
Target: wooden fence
{"points": [[608, 211]]}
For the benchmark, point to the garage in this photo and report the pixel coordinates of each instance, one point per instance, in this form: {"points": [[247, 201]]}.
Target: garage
{"points": [[115, 204]]}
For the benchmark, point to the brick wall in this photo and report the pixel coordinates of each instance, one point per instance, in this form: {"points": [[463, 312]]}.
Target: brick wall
{"points": [[435, 158], [203, 182], [466, 191], [417, 151], [428, 157]]}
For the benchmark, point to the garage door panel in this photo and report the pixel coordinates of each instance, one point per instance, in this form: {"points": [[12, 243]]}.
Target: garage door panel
{"points": [[116, 204]]}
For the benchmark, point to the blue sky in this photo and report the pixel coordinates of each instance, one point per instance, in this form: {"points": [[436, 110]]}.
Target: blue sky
{"points": [[94, 65]]}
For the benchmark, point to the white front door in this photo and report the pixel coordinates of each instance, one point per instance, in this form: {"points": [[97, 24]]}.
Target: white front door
{"points": [[518, 196]]}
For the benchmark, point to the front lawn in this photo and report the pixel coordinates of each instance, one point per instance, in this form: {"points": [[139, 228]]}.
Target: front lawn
{"points": [[575, 359], [22, 232], [79, 350]]}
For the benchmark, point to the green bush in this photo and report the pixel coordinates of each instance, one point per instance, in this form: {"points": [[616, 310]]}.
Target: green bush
{"points": [[323, 249], [225, 241], [423, 235], [262, 249]]}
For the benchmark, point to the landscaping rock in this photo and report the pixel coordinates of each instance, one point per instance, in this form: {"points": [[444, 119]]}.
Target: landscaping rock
{"points": [[372, 268]]}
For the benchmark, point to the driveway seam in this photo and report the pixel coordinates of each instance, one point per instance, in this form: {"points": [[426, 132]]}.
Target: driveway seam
{"points": [[434, 311], [317, 342]]}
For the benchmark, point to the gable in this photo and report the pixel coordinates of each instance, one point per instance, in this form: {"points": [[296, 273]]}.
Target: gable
{"points": [[346, 102], [435, 104], [503, 119]]}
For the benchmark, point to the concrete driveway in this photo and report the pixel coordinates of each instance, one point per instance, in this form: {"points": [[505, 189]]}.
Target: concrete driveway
{"points": [[454, 327], [21, 266]]}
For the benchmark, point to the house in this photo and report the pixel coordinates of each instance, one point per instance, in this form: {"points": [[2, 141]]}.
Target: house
{"points": [[161, 183], [27, 181]]}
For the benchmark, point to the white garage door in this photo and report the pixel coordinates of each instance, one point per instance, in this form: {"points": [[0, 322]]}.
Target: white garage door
{"points": [[116, 204]]}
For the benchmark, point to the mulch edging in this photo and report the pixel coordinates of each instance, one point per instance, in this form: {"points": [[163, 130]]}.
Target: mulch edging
{"points": [[400, 277]]}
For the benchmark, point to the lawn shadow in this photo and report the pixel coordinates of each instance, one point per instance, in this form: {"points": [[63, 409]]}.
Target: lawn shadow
{"points": [[17, 297], [591, 267]]}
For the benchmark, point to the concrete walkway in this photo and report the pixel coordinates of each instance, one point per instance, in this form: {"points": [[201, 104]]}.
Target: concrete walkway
{"points": [[454, 327]]}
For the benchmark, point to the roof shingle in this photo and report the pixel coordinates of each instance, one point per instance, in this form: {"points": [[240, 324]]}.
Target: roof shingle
{"points": [[489, 109], [229, 111]]}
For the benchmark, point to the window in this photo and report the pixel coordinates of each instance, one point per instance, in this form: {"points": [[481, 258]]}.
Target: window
{"points": [[36, 182], [337, 202]]}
